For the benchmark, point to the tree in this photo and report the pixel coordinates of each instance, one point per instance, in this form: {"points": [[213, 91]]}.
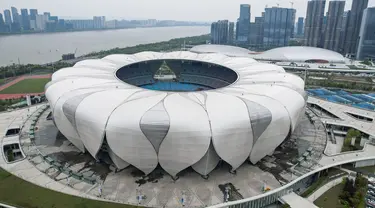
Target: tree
{"points": [[353, 133], [367, 62], [295, 43]]}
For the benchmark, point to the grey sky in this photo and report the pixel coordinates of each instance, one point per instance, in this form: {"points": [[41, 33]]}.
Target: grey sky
{"points": [[194, 10]]}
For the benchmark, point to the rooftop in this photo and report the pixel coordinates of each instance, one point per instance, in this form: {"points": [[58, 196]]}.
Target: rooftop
{"points": [[232, 51], [301, 54]]}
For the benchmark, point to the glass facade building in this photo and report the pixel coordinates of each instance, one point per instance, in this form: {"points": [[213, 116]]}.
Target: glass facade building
{"points": [[7, 17], [314, 22], [33, 13], [243, 24], [353, 28], [333, 25], [25, 19], [15, 14], [231, 33], [278, 26], [220, 32], [366, 45], [343, 36], [300, 26]]}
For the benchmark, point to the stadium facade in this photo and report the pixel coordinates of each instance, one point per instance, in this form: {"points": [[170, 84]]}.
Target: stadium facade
{"points": [[215, 108]]}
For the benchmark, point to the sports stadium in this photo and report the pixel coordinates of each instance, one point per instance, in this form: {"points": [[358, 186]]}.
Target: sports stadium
{"points": [[298, 54], [188, 129], [176, 110], [303, 54]]}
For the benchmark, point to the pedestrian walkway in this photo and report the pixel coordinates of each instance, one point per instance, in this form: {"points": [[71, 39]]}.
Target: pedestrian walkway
{"points": [[24, 169], [296, 201], [366, 154], [314, 196], [344, 119]]}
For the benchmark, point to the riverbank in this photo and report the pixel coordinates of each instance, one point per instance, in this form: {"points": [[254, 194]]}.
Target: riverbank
{"points": [[87, 30], [41, 48], [173, 44]]}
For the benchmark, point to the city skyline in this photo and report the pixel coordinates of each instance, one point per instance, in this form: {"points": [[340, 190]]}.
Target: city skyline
{"points": [[178, 10], [20, 21]]}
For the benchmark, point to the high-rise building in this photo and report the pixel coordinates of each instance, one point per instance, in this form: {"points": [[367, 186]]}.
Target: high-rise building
{"points": [[51, 26], [231, 33], [253, 35], [16, 23], [25, 23], [314, 22], [51, 23], [111, 24], [33, 13], [343, 36], [323, 31], [300, 26], [102, 23], [333, 25], [61, 25], [54, 18], [80, 24], [259, 29], [33, 24], [2, 23], [354, 25], [15, 27], [99, 22], [40, 22], [7, 17], [220, 32], [366, 45], [243, 24], [15, 15], [278, 26], [47, 15]]}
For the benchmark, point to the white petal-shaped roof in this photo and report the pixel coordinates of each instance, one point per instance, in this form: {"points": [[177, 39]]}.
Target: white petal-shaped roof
{"points": [[222, 49], [246, 118], [300, 54]]}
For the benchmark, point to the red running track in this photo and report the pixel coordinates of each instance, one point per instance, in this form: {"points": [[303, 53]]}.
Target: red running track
{"points": [[13, 96]]}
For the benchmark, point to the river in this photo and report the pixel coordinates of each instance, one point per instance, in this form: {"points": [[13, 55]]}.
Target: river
{"points": [[48, 47]]}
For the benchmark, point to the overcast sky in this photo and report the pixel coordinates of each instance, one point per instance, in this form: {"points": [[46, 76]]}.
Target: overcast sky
{"points": [[193, 10]]}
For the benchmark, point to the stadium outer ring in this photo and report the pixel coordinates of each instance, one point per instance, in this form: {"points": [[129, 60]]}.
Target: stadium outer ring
{"points": [[91, 106]]}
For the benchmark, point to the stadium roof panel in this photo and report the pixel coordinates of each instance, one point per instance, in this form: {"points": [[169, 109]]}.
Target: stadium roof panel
{"points": [[222, 49]]}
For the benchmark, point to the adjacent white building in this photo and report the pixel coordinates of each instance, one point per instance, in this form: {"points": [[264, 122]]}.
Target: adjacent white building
{"points": [[40, 22]]}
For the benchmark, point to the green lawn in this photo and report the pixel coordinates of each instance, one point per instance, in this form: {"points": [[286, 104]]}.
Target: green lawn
{"points": [[330, 199], [17, 192], [324, 178], [26, 86]]}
